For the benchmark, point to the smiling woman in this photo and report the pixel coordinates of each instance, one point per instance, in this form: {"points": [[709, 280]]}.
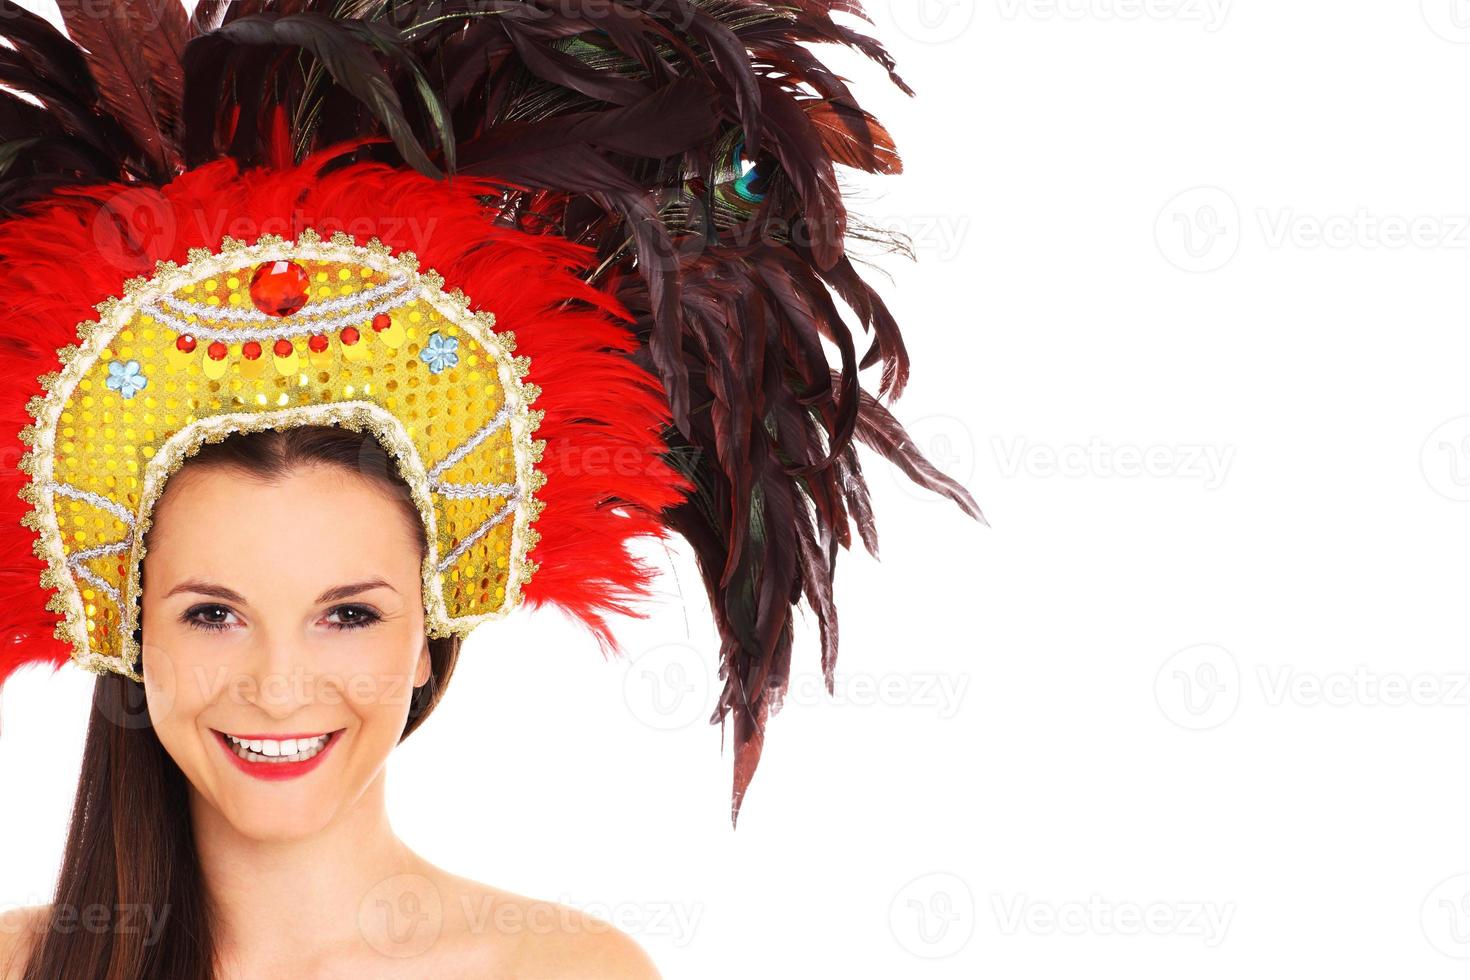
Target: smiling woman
{"points": [[276, 688], [333, 330]]}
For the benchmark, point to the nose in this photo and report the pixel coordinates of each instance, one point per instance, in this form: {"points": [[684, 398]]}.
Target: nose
{"points": [[278, 675]]}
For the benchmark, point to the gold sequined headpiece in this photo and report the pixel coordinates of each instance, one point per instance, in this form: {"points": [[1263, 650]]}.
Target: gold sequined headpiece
{"points": [[271, 335]]}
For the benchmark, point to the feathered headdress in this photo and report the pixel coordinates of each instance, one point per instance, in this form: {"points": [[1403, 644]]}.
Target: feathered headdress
{"points": [[216, 221]]}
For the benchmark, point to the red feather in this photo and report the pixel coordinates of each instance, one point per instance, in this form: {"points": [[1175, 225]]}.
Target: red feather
{"points": [[604, 415]]}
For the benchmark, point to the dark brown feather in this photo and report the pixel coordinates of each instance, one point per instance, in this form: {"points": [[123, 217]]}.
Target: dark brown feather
{"points": [[113, 37]]}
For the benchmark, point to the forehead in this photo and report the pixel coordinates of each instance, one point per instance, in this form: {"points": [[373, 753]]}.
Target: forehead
{"points": [[236, 523]]}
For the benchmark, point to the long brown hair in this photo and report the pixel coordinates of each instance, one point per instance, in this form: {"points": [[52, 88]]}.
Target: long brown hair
{"points": [[130, 847]]}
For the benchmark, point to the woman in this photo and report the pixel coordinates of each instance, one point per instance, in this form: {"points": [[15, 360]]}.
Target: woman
{"points": [[337, 289], [240, 641]]}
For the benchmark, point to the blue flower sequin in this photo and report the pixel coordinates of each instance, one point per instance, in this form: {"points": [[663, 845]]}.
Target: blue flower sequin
{"points": [[439, 352], [127, 378]]}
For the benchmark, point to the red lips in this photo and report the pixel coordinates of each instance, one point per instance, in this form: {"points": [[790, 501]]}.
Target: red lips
{"points": [[276, 770]]}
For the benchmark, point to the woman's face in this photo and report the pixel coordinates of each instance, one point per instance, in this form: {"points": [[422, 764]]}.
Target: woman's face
{"points": [[281, 613]]}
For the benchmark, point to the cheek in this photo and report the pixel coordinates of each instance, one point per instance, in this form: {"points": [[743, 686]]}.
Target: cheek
{"points": [[376, 682], [176, 678]]}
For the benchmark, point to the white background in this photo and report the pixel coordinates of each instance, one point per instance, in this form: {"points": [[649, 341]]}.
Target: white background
{"points": [[1188, 320]]}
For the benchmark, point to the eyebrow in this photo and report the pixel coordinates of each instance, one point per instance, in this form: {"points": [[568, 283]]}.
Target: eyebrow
{"points": [[230, 595]]}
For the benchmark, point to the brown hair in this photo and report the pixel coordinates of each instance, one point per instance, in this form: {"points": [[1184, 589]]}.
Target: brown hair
{"points": [[133, 799]]}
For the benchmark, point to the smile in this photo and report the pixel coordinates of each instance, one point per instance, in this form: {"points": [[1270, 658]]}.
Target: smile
{"points": [[278, 757]]}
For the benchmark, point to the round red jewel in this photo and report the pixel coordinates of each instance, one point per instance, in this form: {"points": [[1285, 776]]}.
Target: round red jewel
{"points": [[283, 348], [318, 342], [186, 344], [279, 288], [217, 351], [382, 322], [349, 335], [251, 350]]}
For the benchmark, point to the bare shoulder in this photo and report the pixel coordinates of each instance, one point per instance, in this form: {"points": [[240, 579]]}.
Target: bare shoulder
{"points": [[19, 928], [543, 940]]}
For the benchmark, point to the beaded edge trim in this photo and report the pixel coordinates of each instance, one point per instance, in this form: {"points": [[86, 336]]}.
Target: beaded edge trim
{"points": [[168, 276]]}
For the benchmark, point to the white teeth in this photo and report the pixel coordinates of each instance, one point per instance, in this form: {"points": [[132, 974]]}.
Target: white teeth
{"points": [[271, 750]]}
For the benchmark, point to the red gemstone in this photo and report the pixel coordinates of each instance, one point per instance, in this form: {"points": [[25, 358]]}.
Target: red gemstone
{"points": [[279, 288], [283, 348], [186, 344], [251, 350], [217, 351], [349, 335], [318, 342], [382, 322]]}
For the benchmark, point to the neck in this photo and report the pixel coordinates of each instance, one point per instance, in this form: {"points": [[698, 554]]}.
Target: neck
{"points": [[303, 895]]}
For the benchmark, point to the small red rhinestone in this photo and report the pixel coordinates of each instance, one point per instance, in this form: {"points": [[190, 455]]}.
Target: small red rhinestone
{"points": [[251, 350], [283, 348], [382, 322], [217, 351], [279, 288], [186, 343], [350, 335], [318, 342]]}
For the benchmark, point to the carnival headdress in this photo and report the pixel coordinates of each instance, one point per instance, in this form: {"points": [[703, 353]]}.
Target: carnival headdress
{"points": [[508, 237]]}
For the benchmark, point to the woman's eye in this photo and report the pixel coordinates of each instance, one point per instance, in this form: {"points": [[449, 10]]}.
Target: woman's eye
{"points": [[354, 617], [201, 617]]}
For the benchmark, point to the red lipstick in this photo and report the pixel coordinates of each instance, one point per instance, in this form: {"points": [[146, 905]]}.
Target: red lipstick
{"points": [[276, 770]]}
